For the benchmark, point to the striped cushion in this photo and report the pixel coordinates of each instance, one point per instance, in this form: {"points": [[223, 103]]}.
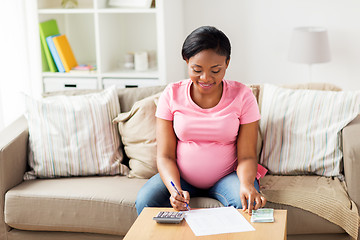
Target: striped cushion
{"points": [[74, 135], [301, 129]]}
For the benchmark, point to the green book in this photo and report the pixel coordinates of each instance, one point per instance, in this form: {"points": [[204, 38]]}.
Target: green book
{"points": [[45, 65], [48, 28]]}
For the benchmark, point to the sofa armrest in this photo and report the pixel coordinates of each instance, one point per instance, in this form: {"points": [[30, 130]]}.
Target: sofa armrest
{"points": [[13, 160], [351, 150]]}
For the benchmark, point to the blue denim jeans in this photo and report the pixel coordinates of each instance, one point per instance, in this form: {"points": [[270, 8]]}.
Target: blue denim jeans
{"points": [[155, 194]]}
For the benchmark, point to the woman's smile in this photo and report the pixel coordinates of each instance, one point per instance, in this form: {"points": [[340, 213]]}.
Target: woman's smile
{"points": [[206, 85]]}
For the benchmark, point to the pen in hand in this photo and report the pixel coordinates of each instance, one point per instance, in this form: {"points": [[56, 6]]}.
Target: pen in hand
{"points": [[172, 183]]}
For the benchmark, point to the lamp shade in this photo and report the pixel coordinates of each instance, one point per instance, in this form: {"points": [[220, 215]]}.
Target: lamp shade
{"points": [[309, 45]]}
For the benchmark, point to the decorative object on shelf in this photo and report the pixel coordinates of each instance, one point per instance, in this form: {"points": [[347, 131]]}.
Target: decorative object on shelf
{"points": [[152, 58], [69, 3], [141, 61], [84, 68], [309, 45], [129, 61], [130, 3]]}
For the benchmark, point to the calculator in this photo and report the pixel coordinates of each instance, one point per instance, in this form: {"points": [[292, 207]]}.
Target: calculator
{"points": [[169, 217]]}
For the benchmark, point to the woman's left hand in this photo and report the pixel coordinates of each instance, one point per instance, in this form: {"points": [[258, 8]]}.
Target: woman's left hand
{"points": [[249, 195]]}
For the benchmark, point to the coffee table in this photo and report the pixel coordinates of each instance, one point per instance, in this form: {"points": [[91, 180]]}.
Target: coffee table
{"points": [[146, 228]]}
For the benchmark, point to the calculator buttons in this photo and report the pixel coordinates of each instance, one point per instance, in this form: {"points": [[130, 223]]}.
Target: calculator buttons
{"points": [[169, 217]]}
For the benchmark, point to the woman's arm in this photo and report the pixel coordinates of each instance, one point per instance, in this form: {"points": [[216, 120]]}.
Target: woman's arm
{"points": [[166, 163], [247, 166]]}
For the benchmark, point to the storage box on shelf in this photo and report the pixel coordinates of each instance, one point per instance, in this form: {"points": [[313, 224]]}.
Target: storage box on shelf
{"points": [[59, 84], [102, 35], [128, 83]]}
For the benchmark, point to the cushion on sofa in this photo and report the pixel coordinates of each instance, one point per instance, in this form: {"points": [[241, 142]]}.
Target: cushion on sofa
{"points": [[74, 135], [79, 204], [302, 140], [138, 134], [309, 86]]}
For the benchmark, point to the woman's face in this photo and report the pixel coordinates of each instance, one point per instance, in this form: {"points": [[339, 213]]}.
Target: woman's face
{"points": [[206, 70]]}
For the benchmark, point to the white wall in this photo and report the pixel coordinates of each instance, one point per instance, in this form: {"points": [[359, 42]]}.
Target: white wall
{"points": [[260, 33]]}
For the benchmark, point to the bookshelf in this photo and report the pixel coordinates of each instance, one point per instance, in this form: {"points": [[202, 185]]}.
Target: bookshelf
{"points": [[102, 35]]}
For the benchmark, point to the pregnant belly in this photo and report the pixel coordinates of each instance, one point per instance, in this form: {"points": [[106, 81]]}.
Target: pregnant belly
{"points": [[202, 165]]}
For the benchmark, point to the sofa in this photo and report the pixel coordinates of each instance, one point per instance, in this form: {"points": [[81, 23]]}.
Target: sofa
{"points": [[103, 207]]}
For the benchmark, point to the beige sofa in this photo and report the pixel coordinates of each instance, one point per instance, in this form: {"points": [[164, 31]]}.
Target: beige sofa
{"points": [[104, 207]]}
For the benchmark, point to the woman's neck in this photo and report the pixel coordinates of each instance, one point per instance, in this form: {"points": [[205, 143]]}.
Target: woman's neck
{"points": [[205, 101]]}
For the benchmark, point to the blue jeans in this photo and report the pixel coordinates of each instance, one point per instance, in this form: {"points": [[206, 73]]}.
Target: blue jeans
{"points": [[155, 194]]}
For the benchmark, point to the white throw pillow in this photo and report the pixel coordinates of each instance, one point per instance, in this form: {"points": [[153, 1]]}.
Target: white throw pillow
{"points": [[74, 136], [301, 129]]}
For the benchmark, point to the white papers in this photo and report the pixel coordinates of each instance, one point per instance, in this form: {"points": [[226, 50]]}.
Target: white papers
{"points": [[211, 221]]}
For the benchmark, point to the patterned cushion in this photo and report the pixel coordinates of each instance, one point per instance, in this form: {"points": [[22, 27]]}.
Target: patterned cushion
{"points": [[74, 135], [301, 129]]}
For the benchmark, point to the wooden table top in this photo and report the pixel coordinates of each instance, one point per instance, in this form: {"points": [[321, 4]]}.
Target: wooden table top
{"points": [[146, 228]]}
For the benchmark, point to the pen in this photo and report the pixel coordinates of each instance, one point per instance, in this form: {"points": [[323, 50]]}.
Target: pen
{"points": [[187, 205]]}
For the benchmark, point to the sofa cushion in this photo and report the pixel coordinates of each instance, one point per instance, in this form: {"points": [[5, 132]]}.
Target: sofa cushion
{"points": [[88, 204], [138, 134], [298, 139], [309, 86], [16, 234], [74, 135]]}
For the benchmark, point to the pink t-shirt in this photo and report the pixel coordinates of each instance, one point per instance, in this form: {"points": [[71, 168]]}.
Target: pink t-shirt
{"points": [[206, 138]]}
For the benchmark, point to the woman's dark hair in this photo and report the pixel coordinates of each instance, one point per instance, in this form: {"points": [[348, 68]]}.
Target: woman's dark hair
{"points": [[206, 37]]}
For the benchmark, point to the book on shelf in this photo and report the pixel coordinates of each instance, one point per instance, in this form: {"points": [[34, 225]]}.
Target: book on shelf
{"points": [[44, 63], [55, 53], [46, 29], [65, 52]]}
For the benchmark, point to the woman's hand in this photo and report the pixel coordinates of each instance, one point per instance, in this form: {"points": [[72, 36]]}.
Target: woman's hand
{"points": [[179, 202], [249, 195]]}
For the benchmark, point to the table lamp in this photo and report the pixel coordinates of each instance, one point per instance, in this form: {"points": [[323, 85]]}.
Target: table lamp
{"points": [[309, 45]]}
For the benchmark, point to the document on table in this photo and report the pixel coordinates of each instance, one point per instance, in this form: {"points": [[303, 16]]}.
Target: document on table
{"points": [[216, 221]]}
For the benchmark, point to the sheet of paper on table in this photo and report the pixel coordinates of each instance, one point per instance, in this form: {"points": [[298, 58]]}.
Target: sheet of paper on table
{"points": [[211, 221]]}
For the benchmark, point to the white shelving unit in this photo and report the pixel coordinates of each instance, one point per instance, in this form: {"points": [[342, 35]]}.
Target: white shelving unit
{"points": [[102, 35]]}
